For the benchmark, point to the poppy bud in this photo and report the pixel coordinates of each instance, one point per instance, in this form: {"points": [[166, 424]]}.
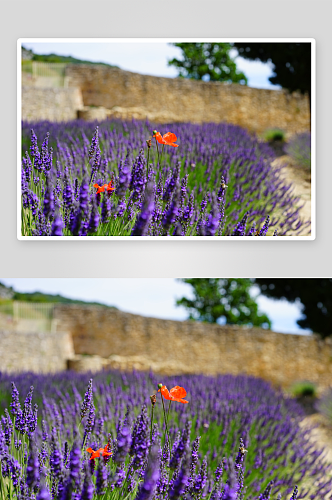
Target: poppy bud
{"points": [[154, 132], [153, 399], [148, 142], [160, 386]]}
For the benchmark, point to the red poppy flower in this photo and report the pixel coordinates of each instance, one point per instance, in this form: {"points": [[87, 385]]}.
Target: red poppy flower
{"points": [[167, 139], [175, 394], [101, 452], [100, 189], [109, 186]]}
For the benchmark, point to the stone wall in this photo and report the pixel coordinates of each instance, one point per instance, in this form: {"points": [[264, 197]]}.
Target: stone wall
{"points": [[43, 352], [191, 347], [54, 104], [188, 100]]}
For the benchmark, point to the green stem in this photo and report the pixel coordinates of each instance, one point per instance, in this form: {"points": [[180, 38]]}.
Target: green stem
{"points": [[2, 487], [162, 152], [157, 151], [151, 423], [13, 437], [148, 159], [169, 407], [162, 400]]}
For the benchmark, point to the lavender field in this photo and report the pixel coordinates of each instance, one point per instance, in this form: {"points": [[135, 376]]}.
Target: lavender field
{"points": [[115, 179], [116, 437]]}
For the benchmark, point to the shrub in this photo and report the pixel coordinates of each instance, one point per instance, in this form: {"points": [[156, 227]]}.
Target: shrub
{"points": [[275, 134], [301, 389], [299, 148], [324, 404]]}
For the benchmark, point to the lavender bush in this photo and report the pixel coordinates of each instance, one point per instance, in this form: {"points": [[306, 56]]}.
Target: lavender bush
{"points": [[299, 148], [324, 404], [71, 438], [110, 179]]}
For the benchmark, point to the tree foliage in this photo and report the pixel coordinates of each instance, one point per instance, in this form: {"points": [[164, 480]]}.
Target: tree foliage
{"points": [[315, 295], [226, 299], [292, 62], [207, 61]]}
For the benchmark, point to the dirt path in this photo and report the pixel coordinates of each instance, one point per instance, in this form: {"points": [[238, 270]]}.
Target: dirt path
{"points": [[321, 436], [301, 181]]}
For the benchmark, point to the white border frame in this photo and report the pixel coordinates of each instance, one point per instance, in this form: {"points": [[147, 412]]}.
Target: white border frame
{"points": [[311, 237]]}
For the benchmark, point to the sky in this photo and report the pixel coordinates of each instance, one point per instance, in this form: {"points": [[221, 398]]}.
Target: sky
{"points": [[145, 58], [154, 297]]}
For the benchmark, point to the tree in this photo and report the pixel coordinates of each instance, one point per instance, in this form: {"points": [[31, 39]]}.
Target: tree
{"points": [[225, 299], [315, 295], [207, 61], [292, 63]]}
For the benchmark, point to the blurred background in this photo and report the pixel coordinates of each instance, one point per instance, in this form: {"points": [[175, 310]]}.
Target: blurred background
{"points": [[148, 297], [144, 58]]}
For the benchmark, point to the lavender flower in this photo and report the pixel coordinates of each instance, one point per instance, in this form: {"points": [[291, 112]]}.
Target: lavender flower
{"points": [[34, 144], [101, 478], [137, 182], [124, 440], [94, 144], [75, 466], [142, 223], [33, 466], [212, 223], [200, 480], [181, 447], [89, 424], [87, 400], [295, 493], [43, 494], [15, 404], [265, 227], [124, 177], [230, 489], [140, 439], [226, 153], [179, 486], [171, 213], [94, 218], [267, 492], [151, 476], [57, 225], [8, 427], [88, 486], [48, 198], [120, 475]]}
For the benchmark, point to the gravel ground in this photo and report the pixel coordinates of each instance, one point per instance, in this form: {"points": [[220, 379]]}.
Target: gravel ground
{"points": [[301, 180], [321, 435]]}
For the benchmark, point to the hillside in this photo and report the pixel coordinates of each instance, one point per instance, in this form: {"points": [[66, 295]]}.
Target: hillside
{"points": [[8, 293], [55, 58]]}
